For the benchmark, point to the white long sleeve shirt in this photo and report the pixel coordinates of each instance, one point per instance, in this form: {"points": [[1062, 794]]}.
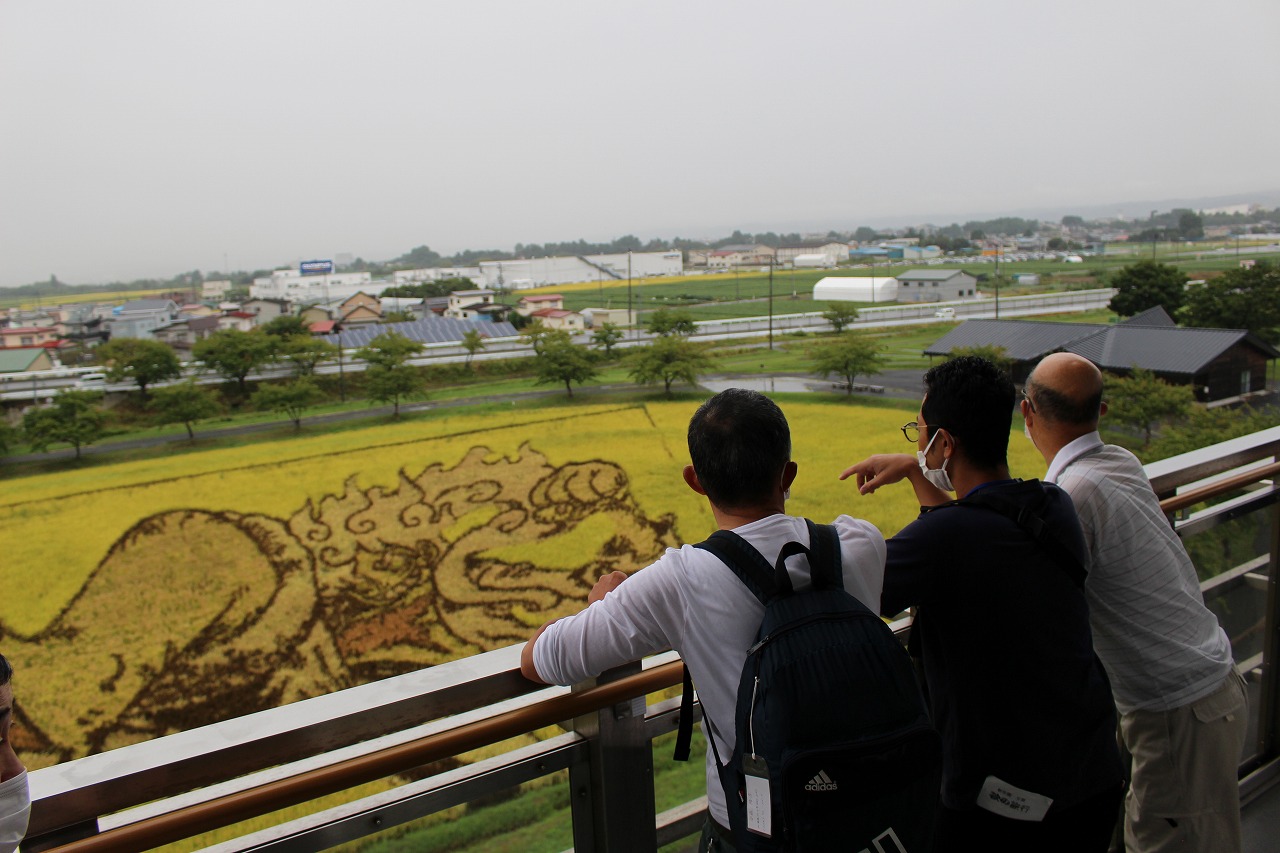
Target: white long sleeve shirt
{"points": [[692, 602]]}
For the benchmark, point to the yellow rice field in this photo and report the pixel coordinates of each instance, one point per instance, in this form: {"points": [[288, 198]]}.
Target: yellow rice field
{"points": [[156, 595]]}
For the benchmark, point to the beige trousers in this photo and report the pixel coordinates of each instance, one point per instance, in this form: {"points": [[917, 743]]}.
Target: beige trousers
{"points": [[1184, 794]]}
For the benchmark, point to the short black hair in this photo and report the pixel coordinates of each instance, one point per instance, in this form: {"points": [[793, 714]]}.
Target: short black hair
{"points": [[971, 398], [1055, 406], [739, 443], [6, 671]]}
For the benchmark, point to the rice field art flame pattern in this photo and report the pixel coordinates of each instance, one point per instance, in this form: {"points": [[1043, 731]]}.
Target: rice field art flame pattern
{"points": [[349, 588]]}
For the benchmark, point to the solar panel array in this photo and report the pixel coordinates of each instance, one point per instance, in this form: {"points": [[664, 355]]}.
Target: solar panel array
{"points": [[437, 330]]}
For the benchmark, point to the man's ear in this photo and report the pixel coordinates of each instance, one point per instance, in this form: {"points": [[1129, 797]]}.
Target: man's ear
{"points": [[1102, 410], [691, 478], [789, 474]]}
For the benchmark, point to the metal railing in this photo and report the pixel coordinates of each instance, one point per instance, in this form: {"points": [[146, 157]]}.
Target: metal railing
{"points": [[180, 786]]}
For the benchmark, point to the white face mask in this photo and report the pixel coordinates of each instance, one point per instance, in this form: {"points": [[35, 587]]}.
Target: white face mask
{"points": [[1026, 430], [938, 477], [15, 808]]}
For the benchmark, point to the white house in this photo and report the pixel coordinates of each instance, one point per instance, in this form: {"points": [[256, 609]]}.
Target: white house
{"points": [[856, 289], [529, 304], [468, 304]]}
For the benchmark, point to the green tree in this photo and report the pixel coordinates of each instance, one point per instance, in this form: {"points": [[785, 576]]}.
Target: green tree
{"points": [[72, 418], [994, 353], [472, 342], [1203, 427], [184, 404], [8, 437], [847, 356], [668, 321], [606, 337], [235, 354], [534, 333], [1239, 299], [559, 360], [291, 399], [390, 377], [287, 326], [392, 384], [140, 360], [305, 353], [667, 360], [1147, 284], [397, 317], [840, 315], [1141, 401], [1190, 225]]}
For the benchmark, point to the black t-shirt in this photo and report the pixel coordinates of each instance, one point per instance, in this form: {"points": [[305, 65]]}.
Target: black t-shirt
{"points": [[1015, 688]]}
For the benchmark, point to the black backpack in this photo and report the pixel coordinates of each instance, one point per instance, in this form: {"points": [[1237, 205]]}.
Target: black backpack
{"points": [[829, 710]]}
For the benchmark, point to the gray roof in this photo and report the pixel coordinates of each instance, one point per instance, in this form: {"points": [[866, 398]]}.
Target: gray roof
{"points": [[1156, 316], [148, 305], [930, 275], [1023, 340], [432, 330], [1163, 349]]}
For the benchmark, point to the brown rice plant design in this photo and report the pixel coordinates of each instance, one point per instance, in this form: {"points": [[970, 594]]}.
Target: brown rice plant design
{"points": [[196, 616]]}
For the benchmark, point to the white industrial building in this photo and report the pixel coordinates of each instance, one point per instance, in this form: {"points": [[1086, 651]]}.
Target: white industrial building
{"points": [[302, 289], [856, 289], [434, 274], [525, 273]]}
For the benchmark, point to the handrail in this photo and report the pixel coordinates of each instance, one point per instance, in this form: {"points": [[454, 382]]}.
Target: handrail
{"points": [[1182, 500], [263, 799]]}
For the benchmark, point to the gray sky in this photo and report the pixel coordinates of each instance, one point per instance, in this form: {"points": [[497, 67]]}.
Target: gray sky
{"points": [[149, 138]]}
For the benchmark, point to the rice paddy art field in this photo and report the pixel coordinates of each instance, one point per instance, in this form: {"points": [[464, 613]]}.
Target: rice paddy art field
{"points": [[153, 596]]}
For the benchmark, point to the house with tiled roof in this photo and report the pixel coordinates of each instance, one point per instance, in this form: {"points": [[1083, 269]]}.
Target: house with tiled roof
{"points": [[558, 318], [1218, 364]]}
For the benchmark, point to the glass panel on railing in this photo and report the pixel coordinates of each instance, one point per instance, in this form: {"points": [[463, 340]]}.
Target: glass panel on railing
{"points": [[1233, 559]]}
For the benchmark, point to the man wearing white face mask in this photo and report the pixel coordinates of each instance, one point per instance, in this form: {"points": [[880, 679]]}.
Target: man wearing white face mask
{"points": [[996, 576], [15, 799]]}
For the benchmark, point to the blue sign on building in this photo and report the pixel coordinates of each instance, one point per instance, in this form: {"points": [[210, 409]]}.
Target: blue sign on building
{"points": [[315, 267]]}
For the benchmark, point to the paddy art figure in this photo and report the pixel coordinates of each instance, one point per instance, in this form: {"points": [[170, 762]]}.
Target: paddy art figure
{"points": [[195, 616]]}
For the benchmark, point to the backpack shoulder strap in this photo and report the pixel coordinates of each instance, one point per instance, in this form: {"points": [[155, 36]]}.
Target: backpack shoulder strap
{"points": [[824, 556], [1026, 517], [746, 562]]}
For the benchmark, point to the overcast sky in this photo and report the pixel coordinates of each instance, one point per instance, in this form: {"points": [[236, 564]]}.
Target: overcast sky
{"points": [[149, 138]]}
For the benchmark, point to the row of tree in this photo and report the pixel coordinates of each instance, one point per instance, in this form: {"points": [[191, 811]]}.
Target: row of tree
{"points": [[1246, 297]]}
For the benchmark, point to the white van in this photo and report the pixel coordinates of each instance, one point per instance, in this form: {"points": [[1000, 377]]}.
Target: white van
{"points": [[92, 382], [945, 313]]}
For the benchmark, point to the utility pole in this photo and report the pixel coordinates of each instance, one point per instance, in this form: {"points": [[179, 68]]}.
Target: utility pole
{"points": [[631, 315], [771, 261]]}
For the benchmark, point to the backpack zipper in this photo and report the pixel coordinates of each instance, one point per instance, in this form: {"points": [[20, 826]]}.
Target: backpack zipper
{"points": [[808, 620]]}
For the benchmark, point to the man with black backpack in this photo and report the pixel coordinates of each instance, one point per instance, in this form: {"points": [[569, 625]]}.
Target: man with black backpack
{"points": [[1020, 699], [693, 601]]}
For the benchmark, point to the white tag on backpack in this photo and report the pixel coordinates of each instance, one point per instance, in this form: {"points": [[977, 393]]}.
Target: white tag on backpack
{"points": [[759, 804], [999, 797]]}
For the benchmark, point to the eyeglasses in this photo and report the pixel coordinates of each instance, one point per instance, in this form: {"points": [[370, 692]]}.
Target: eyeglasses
{"points": [[911, 431], [1030, 403]]}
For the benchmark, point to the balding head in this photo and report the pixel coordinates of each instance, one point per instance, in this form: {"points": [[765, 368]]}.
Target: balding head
{"points": [[1066, 391]]}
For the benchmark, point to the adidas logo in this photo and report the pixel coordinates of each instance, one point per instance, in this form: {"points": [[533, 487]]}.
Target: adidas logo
{"points": [[821, 782]]}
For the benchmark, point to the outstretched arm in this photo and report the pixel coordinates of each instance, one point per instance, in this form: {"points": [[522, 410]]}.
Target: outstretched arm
{"points": [[887, 468], [607, 583]]}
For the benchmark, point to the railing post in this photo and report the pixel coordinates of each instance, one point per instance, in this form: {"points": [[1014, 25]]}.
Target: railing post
{"points": [[613, 804], [1269, 692]]}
